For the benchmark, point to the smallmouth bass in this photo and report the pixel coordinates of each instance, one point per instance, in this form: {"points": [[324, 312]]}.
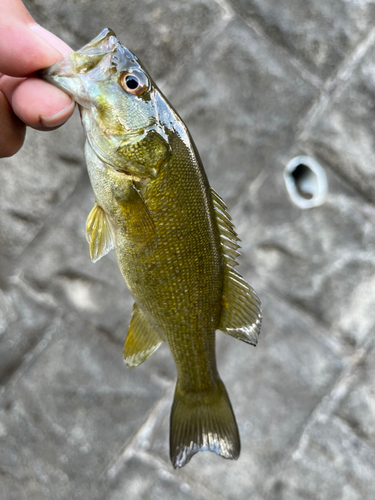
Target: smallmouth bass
{"points": [[174, 240]]}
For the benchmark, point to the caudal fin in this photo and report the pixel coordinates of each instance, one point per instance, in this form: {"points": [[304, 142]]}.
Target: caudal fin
{"points": [[202, 422]]}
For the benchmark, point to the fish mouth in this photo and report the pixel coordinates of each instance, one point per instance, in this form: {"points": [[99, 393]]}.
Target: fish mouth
{"points": [[105, 42], [67, 74]]}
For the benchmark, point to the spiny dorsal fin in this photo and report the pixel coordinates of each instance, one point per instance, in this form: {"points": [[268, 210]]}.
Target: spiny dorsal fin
{"points": [[141, 340], [99, 233], [241, 313]]}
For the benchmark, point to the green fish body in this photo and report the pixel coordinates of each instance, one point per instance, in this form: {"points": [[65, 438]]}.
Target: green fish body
{"points": [[174, 241]]}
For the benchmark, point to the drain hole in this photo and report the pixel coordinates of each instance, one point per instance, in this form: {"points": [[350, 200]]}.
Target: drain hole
{"points": [[306, 182]]}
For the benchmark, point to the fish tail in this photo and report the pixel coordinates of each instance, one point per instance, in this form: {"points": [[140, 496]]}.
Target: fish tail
{"points": [[202, 421]]}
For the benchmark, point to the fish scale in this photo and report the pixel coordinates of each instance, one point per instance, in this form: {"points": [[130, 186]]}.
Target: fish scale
{"points": [[179, 288], [173, 238]]}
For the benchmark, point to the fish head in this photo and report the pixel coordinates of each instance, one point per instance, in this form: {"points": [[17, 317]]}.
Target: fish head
{"points": [[115, 94]]}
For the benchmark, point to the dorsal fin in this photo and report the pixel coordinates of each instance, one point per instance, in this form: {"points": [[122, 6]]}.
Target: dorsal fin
{"points": [[241, 313], [141, 341]]}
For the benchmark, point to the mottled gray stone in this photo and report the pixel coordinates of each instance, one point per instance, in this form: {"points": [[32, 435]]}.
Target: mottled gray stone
{"points": [[322, 259], [74, 423], [343, 132], [42, 175], [319, 33], [8, 313], [10, 489], [331, 463], [241, 103], [72, 412], [163, 34], [26, 318], [139, 480], [357, 408], [273, 390]]}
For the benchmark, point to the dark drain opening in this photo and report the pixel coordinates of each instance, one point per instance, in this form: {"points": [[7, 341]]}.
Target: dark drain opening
{"points": [[306, 182]]}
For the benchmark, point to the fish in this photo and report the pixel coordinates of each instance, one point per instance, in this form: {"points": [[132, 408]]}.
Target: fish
{"points": [[174, 240]]}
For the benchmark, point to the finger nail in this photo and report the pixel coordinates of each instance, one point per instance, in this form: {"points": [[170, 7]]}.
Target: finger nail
{"points": [[59, 118]]}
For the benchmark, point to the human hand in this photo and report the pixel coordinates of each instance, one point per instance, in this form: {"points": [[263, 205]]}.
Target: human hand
{"points": [[26, 47]]}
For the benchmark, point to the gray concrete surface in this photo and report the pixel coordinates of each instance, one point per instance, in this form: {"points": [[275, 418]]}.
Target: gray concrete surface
{"points": [[257, 82]]}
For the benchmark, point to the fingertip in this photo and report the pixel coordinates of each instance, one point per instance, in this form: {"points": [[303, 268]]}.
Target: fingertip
{"points": [[41, 105], [58, 119]]}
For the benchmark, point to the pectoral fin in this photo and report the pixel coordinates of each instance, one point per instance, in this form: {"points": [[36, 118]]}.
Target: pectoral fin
{"points": [[241, 312], [99, 233], [139, 224], [142, 339]]}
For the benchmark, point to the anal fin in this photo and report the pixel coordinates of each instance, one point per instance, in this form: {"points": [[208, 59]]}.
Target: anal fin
{"points": [[99, 233], [141, 341]]}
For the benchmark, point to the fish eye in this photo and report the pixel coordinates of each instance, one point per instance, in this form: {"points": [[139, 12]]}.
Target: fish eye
{"points": [[134, 82]]}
